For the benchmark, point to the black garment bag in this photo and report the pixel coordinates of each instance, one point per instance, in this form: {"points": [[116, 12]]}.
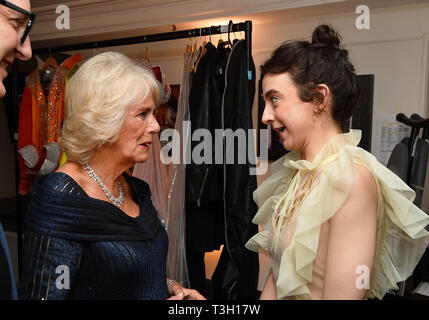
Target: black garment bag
{"points": [[409, 160]]}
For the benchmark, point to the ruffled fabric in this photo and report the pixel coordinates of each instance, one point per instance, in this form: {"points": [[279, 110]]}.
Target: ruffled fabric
{"points": [[401, 237]]}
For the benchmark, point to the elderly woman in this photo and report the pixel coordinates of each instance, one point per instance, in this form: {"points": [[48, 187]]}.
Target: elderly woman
{"points": [[92, 231], [336, 223]]}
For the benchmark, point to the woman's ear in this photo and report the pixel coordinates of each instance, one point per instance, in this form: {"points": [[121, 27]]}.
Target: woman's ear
{"points": [[324, 97]]}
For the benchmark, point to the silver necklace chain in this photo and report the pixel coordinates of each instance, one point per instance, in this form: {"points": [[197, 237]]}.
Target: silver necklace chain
{"points": [[116, 201]]}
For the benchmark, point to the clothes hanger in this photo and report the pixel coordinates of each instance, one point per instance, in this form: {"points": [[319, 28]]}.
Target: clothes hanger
{"points": [[235, 38], [203, 43], [228, 42], [210, 34], [220, 41], [201, 52], [195, 44], [47, 72], [230, 23], [50, 62], [189, 45], [39, 61], [147, 55]]}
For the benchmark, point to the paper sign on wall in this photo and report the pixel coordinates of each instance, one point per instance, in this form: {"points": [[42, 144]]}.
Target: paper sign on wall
{"points": [[389, 133]]}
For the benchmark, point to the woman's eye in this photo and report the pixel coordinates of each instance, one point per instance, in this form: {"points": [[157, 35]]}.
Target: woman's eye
{"points": [[146, 113], [274, 99]]}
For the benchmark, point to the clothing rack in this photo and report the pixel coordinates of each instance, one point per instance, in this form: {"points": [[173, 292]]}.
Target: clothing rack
{"points": [[245, 26], [174, 35]]}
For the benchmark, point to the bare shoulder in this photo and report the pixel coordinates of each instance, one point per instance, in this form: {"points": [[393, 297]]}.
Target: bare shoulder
{"points": [[364, 184], [362, 200]]}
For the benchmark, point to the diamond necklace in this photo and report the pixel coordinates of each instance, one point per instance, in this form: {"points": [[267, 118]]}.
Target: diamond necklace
{"points": [[116, 201]]}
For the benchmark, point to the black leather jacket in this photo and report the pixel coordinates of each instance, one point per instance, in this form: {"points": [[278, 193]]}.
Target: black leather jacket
{"points": [[203, 181], [223, 100]]}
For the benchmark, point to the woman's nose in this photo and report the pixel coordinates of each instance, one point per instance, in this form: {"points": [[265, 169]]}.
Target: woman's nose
{"points": [[267, 116], [154, 126]]}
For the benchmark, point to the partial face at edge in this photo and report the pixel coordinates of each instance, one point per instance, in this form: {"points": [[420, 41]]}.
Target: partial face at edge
{"points": [[12, 26]]}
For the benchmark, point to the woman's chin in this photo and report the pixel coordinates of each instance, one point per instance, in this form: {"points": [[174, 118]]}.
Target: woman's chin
{"points": [[287, 145], [140, 159]]}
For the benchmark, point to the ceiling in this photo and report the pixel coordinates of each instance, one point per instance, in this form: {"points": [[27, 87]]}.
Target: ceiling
{"points": [[257, 17], [37, 4]]}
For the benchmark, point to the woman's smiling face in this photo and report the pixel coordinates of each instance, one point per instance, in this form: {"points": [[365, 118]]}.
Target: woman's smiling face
{"points": [[289, 116]]}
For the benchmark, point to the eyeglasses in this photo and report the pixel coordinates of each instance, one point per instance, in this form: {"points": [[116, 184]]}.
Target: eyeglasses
{"points": [[31, 17]]}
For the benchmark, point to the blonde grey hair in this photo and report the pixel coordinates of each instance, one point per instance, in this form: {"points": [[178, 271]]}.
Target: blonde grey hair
{"points": [[96, 100]]}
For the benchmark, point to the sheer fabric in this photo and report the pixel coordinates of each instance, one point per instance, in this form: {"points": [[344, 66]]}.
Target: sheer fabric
{"points": [[298, 251], [176, 262], [154, 173]]}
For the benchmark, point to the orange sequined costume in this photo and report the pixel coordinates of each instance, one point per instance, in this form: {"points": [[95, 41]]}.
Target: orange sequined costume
{"points": [[40, 121]]}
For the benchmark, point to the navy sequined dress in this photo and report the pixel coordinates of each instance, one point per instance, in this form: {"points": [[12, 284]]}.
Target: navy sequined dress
{"points": [[78, 247]]}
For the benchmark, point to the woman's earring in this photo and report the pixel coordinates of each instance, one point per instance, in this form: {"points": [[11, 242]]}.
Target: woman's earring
{"points": [[315, 114]]}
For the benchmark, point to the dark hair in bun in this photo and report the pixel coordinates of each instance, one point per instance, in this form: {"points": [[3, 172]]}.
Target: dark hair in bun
{"points": [[322, 61], [324, 35]]}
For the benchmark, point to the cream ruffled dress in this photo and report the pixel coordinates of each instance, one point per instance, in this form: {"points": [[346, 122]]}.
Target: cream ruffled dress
{"points": [[298, 250]]}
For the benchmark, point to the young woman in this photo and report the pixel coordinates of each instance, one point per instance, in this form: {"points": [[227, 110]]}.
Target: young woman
{"points": [[336, 223]]}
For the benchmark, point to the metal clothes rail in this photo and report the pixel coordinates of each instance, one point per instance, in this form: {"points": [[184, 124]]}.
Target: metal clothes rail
{"points": [[190, 33]]}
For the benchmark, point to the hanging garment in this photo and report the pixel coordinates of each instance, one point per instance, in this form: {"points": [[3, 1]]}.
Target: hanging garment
{"points": [[203, 184], [154, 173], [164, 88], [236, 275], [298, 251], [40, 120], [176, 263], [399, 159], [203, 191], [418, 170], [399, 163]]}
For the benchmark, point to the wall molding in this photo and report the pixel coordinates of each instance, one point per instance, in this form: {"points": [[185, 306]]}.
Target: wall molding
{"points": [[92, 17]]}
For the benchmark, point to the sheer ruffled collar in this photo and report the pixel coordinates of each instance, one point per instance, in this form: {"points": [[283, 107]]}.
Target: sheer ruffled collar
{"points": [[294, 161]]}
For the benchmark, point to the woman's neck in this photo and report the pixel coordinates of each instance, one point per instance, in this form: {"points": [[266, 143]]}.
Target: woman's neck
{"points": [[316, 140], [107, 168]]}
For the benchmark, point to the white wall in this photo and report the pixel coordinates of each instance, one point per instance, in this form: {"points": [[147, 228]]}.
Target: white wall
{"points": [[394, 50]]}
